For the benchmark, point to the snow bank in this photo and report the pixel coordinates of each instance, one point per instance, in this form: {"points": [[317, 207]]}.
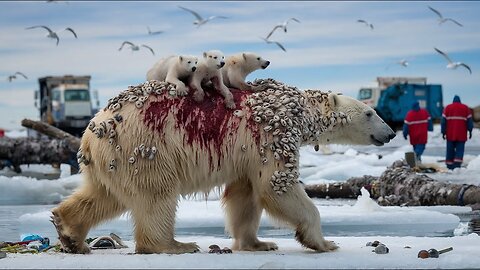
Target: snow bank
{"points": [[20, 190]]}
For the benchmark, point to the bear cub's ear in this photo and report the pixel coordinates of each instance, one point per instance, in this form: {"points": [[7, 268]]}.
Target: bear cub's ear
{"points": [[244, 56], [181, 58], [204, 54]]}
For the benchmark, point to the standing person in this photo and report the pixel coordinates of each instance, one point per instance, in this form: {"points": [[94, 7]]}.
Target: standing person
{"points": [[456, 121], [416, 125]]}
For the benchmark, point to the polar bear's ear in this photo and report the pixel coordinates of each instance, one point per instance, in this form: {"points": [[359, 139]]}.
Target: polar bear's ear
{"points": [[204, 54], [180, 58], [333, 100], [244, 56]]}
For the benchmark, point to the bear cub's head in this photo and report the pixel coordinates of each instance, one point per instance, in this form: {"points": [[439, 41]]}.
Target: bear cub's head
{"points": [[214, 59], [188, 62], [254, 61]]}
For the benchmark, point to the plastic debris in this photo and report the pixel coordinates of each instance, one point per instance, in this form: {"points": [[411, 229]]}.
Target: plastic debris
{"points": [[432, 253]]}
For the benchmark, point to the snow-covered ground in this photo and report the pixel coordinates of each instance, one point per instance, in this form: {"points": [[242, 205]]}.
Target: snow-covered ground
{"points": [[25, 202]]}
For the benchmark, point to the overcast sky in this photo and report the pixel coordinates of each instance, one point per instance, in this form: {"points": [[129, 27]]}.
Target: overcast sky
{"points": [[328, 50]]}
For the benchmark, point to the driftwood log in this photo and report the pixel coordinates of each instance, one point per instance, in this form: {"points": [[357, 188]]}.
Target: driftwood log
{"points": [[401, 185], [61, 148]]}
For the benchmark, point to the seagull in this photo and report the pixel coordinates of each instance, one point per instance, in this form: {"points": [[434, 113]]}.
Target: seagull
{"points": [[153, 33], [200, 21], [453, 65], [14, 76], [441, 19], [282, 26], [135, 47], [52, 34], [366, 23], [402, 62], [276, 42]]}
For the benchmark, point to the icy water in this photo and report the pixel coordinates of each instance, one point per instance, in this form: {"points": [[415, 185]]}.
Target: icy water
{"points": [[12, 226]]}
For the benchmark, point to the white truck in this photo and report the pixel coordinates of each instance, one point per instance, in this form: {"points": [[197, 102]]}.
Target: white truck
{"points": [[66, 102]]}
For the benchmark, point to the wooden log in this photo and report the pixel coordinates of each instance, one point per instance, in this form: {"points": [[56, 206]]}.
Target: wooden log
{"points": [[53, 132], [23, 150], [402, 186], [61, 148]]}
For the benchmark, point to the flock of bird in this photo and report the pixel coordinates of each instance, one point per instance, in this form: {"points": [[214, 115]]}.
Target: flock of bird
{"points": [[441, 20], [199, 21]]}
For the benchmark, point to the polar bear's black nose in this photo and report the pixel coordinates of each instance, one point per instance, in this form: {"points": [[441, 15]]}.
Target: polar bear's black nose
{"points": [[266, 65], [194, 68], [222, 64]]}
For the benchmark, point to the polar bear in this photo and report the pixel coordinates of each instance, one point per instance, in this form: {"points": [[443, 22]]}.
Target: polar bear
{"points": [[174, 69], [237, 67], [146, 149], [209, 70]]}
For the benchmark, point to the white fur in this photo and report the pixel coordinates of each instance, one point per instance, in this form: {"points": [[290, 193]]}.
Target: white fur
{"points": [[174, 69], [209, 70], [237, 67]]}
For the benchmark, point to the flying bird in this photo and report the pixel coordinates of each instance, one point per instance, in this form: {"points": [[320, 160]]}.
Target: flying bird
{"points": [[14, 76], [282, 26], [402, 62], [276, 42], [134, 47], [451, 64], [366, 23], [441, 19], [201, 21], [153, 32], [52, 34]]}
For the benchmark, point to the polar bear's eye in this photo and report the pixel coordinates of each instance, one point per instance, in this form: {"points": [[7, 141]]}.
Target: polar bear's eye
{"points": [[215, 57], [369, 114], [210, 56], [189, 62], [258, 58]]}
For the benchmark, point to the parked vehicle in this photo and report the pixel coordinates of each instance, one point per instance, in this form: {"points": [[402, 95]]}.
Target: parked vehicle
{"points": [[66, 102], [394, 96]]}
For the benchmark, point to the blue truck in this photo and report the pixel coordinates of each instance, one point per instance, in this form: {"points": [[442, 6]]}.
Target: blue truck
{"points": [[394, 96]]}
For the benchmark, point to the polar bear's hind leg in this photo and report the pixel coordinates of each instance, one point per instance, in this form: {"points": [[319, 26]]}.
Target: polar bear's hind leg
{"points": [[84, 209]]}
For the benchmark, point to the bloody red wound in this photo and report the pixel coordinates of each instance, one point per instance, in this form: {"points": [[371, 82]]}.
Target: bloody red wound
{"points": [[209, 124]]}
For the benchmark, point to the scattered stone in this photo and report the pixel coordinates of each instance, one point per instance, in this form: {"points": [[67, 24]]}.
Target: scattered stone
{"points": [[381, 249]]}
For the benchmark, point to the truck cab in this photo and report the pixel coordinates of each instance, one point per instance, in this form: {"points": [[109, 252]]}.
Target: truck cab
{"points": [[394, 96], [66, 102]]}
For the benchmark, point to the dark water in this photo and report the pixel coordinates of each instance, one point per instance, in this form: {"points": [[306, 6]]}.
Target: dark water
{"points": [[11, 227]]}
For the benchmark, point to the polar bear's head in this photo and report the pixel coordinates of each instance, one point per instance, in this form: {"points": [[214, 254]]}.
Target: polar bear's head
{"points": [[365, 126], [253, 62], [214, 59], [188, 62]]}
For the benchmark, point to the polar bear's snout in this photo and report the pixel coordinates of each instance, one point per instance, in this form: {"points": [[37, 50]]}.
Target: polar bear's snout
{"points": [[194, 68], [264, 66], [383, 136]]}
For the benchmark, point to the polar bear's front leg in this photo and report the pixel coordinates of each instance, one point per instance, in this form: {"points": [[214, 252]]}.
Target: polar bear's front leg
{"points": [[297, 209], [224, 91], [243, 211], [237, 81], [180, 89], [198, 93]]}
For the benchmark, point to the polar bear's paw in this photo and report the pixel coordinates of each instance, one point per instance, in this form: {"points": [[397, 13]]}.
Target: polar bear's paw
{"points": [[181, 91], [255, 246], [198, 96], [172, 248], [230, 104]]}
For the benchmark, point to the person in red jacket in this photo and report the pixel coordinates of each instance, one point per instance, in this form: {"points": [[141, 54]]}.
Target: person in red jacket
{"points": [[456, 121], [416, 125]]}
